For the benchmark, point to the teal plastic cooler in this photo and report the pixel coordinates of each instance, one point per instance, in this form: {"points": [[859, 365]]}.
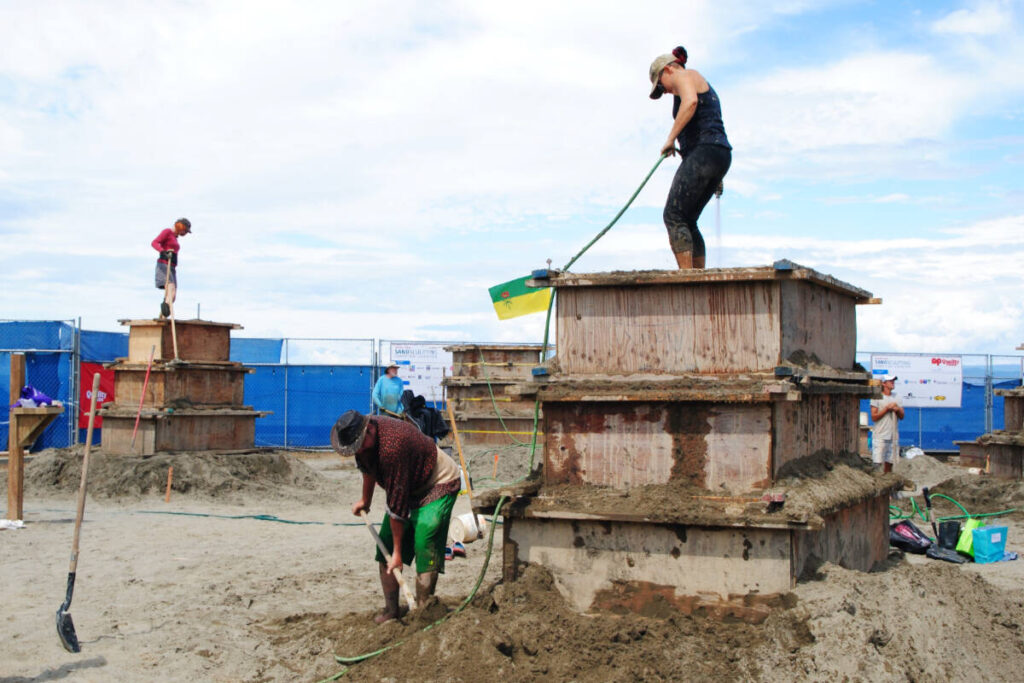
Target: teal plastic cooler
{"points": [[989, 544]]}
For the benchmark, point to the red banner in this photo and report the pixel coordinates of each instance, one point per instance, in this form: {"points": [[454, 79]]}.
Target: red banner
{"points": [[106, 392]]}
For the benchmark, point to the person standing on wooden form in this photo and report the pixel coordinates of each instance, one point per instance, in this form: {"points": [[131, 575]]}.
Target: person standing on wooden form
{"points": [[167, 264], [886, 412], [704, 148], [421, 483]]}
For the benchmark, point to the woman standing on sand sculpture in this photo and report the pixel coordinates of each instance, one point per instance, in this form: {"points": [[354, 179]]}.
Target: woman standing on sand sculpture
{"points": [[703, 146]]}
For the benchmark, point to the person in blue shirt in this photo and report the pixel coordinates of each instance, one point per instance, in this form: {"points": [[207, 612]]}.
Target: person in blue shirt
{"points": [[387, 392]]}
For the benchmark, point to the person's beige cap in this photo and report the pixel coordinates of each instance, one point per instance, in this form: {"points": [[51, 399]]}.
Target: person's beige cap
{"points": [[657, 66]]}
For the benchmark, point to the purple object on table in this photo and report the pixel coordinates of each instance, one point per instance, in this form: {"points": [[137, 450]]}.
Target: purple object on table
{"points": [[30, 392]]}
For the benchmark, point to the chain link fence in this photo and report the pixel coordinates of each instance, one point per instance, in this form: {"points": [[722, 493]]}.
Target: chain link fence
{"points": [[980, 411], [315, 381], [51, 350]]}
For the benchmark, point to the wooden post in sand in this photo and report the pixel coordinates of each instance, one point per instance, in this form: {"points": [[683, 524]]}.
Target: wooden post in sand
{"points": [[15, 454]]}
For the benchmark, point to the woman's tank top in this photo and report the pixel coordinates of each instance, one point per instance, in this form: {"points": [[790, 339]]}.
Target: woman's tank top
{"points": [[706, 127]]}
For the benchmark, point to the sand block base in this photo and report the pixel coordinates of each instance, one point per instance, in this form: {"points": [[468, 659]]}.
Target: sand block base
{"points": [[730, 571]]}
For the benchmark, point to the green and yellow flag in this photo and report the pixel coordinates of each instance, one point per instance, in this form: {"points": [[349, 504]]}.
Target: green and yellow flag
{"points": [[514, 298]]}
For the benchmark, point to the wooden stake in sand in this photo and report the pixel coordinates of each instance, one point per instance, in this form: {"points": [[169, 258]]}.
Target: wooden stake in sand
{"points": [[170, 475]]}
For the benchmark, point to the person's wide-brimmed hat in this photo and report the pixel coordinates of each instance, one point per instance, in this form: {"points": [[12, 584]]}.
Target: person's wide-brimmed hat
{"points": [[392, 364], [657, 66], [348, 432]]}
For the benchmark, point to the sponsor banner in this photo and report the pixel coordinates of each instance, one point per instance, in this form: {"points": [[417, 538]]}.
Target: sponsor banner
{"points": [[422, 367], [106, 392], [923, 381]]}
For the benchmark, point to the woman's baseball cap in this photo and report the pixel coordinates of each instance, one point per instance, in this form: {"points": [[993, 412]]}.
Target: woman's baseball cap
{"points": [[657, 66]]}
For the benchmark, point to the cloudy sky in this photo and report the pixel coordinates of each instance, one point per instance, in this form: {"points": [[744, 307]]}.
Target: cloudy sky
{"points": [[370, 169]]}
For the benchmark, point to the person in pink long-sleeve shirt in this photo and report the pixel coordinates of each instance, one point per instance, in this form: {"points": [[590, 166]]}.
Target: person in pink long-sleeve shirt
{"points": [[167, 264]]}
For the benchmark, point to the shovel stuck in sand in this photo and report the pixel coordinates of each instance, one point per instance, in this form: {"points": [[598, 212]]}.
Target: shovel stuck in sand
{"points": [[66, 627]]}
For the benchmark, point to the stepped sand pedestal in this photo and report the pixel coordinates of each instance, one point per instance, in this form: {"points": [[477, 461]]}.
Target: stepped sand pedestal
{"points": [[700, 439], [192, 403]]}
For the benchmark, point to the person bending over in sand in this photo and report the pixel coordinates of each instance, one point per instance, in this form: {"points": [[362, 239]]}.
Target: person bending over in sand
{"points": [[420, 483]]}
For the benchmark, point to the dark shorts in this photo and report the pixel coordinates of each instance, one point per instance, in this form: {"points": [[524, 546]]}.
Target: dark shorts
{"points": [[423, 536], [161, 275]]}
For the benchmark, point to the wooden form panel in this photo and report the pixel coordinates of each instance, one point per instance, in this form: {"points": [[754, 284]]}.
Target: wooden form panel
{"points": [[495, 362], [1013, 412], [819, 322], [489, 431], [201, 387], [829, 422], [632, 444], [625, 566], [197, 340], [706, 328], [856, 537], [997, 460], [178, 433], [475, 401]]}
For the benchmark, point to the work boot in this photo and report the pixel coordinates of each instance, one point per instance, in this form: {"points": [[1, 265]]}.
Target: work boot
{"points": [[425, 585]]}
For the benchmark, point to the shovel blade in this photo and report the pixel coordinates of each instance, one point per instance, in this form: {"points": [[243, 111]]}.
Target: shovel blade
{"points": [[66, 631]]}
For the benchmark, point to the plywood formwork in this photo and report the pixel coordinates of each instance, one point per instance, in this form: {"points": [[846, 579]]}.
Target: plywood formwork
{"points": [[198, 340], [1013, 408], [715, 321], [217, 385], [736, 446], [1000, 453], [698, 397], [189, 403], [494, 361], [485, 412], [182, 430]]}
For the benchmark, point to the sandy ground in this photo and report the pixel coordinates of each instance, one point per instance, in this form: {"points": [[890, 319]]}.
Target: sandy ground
{"points": [[227, 597]]}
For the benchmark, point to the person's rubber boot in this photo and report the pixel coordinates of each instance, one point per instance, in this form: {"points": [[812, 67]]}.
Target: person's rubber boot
{"points": [[390, 608], [425, 585], [165, 309], [887, 468]]}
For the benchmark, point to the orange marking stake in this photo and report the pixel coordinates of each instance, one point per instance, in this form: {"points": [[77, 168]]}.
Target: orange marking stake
{"points": [[170, 475], [495, 475]]}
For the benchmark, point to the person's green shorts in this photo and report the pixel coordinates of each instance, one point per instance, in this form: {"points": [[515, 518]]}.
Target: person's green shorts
{"points": [[429, 526]]}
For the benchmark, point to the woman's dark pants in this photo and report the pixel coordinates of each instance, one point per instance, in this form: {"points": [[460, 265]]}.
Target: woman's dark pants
{"points": [[698, 177]]}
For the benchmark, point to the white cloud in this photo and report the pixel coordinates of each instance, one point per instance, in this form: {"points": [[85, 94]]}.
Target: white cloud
{"points": [[985, 19], [368, 170]]}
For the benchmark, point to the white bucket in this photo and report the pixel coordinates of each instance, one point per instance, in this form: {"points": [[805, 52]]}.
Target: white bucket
{"points": [[464, 527]]}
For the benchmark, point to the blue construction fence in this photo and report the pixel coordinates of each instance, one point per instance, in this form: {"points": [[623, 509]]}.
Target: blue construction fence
{"points": [[305, 384]]}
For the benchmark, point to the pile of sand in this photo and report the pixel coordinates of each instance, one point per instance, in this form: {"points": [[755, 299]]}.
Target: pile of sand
{"points": [[906, 623], [925, 470], [982, 494], [229, 478]]}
